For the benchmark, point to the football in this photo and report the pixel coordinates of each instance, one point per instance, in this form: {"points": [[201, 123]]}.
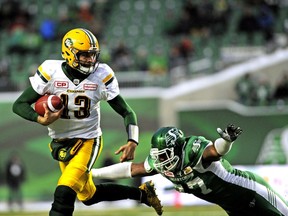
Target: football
{"points": [[53, 102]]}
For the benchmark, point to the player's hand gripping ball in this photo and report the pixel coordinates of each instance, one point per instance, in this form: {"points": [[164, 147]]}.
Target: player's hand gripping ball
{"points": [[53, 102]]}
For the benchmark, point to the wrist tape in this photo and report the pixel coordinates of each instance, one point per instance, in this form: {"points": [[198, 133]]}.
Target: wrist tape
{"points": [[222, 146], [133, 133]]}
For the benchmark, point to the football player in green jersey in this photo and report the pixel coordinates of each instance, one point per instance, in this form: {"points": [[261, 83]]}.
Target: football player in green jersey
{"points": [[82, 82], [195, 166]]}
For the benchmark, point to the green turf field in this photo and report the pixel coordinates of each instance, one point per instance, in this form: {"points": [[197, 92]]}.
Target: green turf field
{"points": [[140, 211]]}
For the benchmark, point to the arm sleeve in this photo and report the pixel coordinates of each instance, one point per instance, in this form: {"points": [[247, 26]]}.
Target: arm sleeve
{"points": [[130, 119], [122, 108], [22, 106], [115, 171]]}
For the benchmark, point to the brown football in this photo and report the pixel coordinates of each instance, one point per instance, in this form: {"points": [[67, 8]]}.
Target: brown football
{"points": [[53, 102]]}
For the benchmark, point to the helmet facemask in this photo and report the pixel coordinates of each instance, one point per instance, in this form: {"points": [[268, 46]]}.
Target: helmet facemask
{"points": [[86, 67], [165, 159], [166, 151]]}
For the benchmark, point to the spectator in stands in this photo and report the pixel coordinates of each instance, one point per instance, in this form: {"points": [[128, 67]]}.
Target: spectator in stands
{"points": [[105, 53], [24, 40], [180, 54], [5, 82], [263, 93], [177, 65], [158, 62], [15, 177], [248, 23], [186, 49], [188, 18], [33, 41], [16, 41], [19, 29], [266, 22], [84, 13], [175, 57], [245, 88], [18, 34], [202, 18], [87, 17], [48, 29], [281, 89], [121, 57], [221, 17], [206, 17], [141, 63], [9, 11]]}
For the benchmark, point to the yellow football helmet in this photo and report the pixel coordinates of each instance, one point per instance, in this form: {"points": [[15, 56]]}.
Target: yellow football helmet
{"points": [[80, 41]]}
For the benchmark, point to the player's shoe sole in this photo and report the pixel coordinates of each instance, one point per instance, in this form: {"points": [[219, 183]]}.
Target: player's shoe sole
{"points": [[152, 197]]}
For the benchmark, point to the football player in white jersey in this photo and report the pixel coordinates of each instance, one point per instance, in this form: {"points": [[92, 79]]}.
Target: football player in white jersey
{"points": [[81, 81], [195, 166]]}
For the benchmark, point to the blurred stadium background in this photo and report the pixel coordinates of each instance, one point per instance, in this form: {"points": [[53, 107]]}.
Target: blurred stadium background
{"points": [[170, 73]]}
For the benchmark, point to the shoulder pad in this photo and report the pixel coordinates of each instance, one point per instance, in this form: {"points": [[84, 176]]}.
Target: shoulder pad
{"points": [[105, 73], [46, 70]]}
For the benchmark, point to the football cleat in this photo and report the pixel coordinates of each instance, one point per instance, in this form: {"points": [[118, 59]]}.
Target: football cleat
{"points": [[152, 198]]}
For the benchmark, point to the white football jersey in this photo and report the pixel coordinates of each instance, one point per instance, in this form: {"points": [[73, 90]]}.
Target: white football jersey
{"points": [[81, 116]]}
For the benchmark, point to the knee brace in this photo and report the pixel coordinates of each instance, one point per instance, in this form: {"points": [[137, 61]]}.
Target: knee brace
{"points": [[63, 205]]}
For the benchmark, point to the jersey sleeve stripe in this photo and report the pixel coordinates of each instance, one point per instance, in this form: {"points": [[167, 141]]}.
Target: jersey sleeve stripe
{"points": [[41, 76], [44, 76], [108, 79]]}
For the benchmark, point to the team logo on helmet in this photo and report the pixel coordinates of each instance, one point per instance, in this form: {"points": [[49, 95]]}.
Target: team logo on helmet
{"points": [[171, 136], [68, 42]]}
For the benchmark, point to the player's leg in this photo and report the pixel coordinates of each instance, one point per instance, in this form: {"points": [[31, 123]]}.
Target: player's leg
{"points": [[271, 205], [267, 201], [89, 194], [113, 192], [63, 204], [74, 178]]}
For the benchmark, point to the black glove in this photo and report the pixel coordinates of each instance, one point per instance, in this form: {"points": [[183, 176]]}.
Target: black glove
{"points": [[230, 133]]}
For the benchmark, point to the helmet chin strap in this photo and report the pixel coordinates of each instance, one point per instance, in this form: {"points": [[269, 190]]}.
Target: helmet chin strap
{"points": [[85, 70]]}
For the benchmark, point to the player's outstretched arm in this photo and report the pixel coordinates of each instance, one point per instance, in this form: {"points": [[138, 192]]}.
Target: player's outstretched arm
{"points": [[223, 144], [130, 120], [228, 136], [120, 171]]}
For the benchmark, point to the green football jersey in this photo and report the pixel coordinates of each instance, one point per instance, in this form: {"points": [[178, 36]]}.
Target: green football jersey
{"points": [[238, 192]]}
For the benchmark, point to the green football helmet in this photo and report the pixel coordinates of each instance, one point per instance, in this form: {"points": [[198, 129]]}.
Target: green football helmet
{"points": [[166, 148]]}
